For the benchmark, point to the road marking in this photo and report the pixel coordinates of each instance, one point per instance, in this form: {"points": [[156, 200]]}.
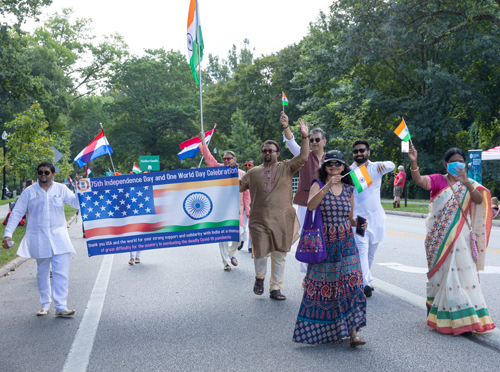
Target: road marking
{"points": [[79, 354], [423, 270], [490, 338]]}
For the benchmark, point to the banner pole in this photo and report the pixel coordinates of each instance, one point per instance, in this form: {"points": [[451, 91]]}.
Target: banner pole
{"points": [[199, 62], [110, 158]]}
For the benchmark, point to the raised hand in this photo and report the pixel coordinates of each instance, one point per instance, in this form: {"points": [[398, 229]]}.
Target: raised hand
{"points": [[202, 138], [412, 154], [462, 176], [303, 128], [284, 120]]}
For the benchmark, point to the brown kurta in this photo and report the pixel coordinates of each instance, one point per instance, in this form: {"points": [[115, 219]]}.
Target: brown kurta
{"points": [[272, 216]]}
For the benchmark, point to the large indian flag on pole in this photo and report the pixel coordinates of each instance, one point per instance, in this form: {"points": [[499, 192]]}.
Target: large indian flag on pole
{"points": [[402, 131], [361, 178], [194, 38], [160, 210]]}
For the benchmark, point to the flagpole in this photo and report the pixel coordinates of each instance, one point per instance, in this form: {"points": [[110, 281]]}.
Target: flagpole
{"points": [[110, 158], [199, 165], [199, 63]]}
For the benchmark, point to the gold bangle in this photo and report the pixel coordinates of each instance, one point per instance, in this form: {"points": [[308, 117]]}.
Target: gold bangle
{"points": [[321, 191], [414, 170]]}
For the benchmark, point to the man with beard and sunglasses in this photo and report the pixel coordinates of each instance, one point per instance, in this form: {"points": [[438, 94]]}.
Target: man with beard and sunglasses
{"points": [[273, 216], [46, 239], [227, 249], [367, 204], [308, 172]]}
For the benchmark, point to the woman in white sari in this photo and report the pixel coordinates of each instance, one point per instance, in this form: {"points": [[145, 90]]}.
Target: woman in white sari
{"points": [[455, 302]]}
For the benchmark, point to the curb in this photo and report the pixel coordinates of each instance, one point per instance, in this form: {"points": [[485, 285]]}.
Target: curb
{"points": [[422, 215], [11, 266]]}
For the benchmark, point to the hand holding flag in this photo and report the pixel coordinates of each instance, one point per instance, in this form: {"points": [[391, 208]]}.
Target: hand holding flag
{"points": [[189, 148]]}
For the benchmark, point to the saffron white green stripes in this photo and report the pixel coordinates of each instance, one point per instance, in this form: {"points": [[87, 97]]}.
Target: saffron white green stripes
{"points": [[361, 178]]}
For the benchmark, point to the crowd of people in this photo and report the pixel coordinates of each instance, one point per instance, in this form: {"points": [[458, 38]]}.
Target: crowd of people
{"points": [[333, 306]]}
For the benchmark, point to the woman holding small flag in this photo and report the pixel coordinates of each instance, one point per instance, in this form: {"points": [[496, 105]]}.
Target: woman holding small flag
{"points": [[333, 305], [458, 230]]}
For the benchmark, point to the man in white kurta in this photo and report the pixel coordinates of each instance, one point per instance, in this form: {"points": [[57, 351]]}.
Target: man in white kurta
{"points": [[367, 204], [46, 239]]}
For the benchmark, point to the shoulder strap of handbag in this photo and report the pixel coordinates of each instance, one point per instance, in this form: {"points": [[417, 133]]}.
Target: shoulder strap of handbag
{"points": [[459, 204]]}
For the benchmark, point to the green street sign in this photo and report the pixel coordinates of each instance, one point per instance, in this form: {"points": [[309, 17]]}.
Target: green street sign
{"points": [[149, 163], [109, 174]]}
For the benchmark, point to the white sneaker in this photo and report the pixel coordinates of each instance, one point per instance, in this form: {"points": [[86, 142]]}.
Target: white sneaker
{"points": [[42, 312], [66, 313]]}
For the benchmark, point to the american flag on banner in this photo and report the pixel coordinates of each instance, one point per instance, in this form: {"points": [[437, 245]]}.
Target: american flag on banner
{"points": [[181, 204]]}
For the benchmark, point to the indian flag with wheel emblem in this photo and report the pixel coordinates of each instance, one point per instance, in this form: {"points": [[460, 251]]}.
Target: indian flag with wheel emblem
{"points": [[160, 210], [361, 178], [195, 43]]}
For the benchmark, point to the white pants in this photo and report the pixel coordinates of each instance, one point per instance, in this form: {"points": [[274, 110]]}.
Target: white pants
{"points": [[246, 232], [301, 215], [277, 269], [227, 250], [60, 280], [135, 254], [366, 255]]}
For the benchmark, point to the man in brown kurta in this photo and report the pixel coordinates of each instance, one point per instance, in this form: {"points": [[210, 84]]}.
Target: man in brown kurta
{"points": [[272, 216]]}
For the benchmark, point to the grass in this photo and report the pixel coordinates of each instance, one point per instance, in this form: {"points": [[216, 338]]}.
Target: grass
{"points": [[415, 208], [3, 202], [7, 255]]}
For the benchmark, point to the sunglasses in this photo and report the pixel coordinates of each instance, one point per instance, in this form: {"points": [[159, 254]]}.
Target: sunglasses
{"points": [[227, 159], [249, 165], [314, 139], [329, 164], [361, 151], [41, 173], [271, 151]]}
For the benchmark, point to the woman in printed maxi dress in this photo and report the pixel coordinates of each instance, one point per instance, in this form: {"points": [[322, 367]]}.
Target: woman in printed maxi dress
{"points": [[455, 302], [334, 304]]}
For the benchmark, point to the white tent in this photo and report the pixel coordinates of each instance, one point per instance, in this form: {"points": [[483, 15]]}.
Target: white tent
{"points": [[491, 154]]}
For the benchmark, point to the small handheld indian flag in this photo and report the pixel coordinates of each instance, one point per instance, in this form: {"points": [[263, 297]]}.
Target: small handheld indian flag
{"points": [[361, 178], [284, 99], [136, 169], [402, 131], [88, 172]]}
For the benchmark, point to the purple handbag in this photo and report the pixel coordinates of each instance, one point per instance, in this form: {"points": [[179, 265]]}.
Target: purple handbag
{"points": [[312, 248]]}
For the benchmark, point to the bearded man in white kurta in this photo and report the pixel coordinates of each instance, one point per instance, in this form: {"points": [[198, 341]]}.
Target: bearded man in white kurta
{"points": [[367, 204], [46, 239]]}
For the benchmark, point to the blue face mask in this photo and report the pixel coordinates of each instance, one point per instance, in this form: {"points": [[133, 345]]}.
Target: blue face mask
{"points": [[454, 168]]}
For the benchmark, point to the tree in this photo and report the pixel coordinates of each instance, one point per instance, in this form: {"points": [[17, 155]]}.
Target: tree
{"points": [[243, 141], [29, 144]]}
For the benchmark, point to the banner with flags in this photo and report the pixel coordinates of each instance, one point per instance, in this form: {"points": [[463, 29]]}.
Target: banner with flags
{"points": [[98, 147], [361, 178], [402, 131], [190, 148], [168, 209], [195, 43]]}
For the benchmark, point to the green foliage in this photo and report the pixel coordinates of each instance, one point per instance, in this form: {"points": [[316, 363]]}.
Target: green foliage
{"points": [[29, 144], [243, 141]]}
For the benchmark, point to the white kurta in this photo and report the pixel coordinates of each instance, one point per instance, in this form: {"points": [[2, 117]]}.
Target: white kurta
{"points": [[46, 233], [367, 204]]}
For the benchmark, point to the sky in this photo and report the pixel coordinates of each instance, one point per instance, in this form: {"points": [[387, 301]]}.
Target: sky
{"points": [[270, 25]]}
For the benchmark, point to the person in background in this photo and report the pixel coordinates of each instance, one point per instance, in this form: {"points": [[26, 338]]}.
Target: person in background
{"points": [[273, 215], [399, 184], [249, 164], [46, 239], [455, 302], [317, 140], [494, 206], [333, 305], [367, 204], [227, 249]]}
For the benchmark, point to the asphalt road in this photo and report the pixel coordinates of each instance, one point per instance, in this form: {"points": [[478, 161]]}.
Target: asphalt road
{"points": [[179, 311]]}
